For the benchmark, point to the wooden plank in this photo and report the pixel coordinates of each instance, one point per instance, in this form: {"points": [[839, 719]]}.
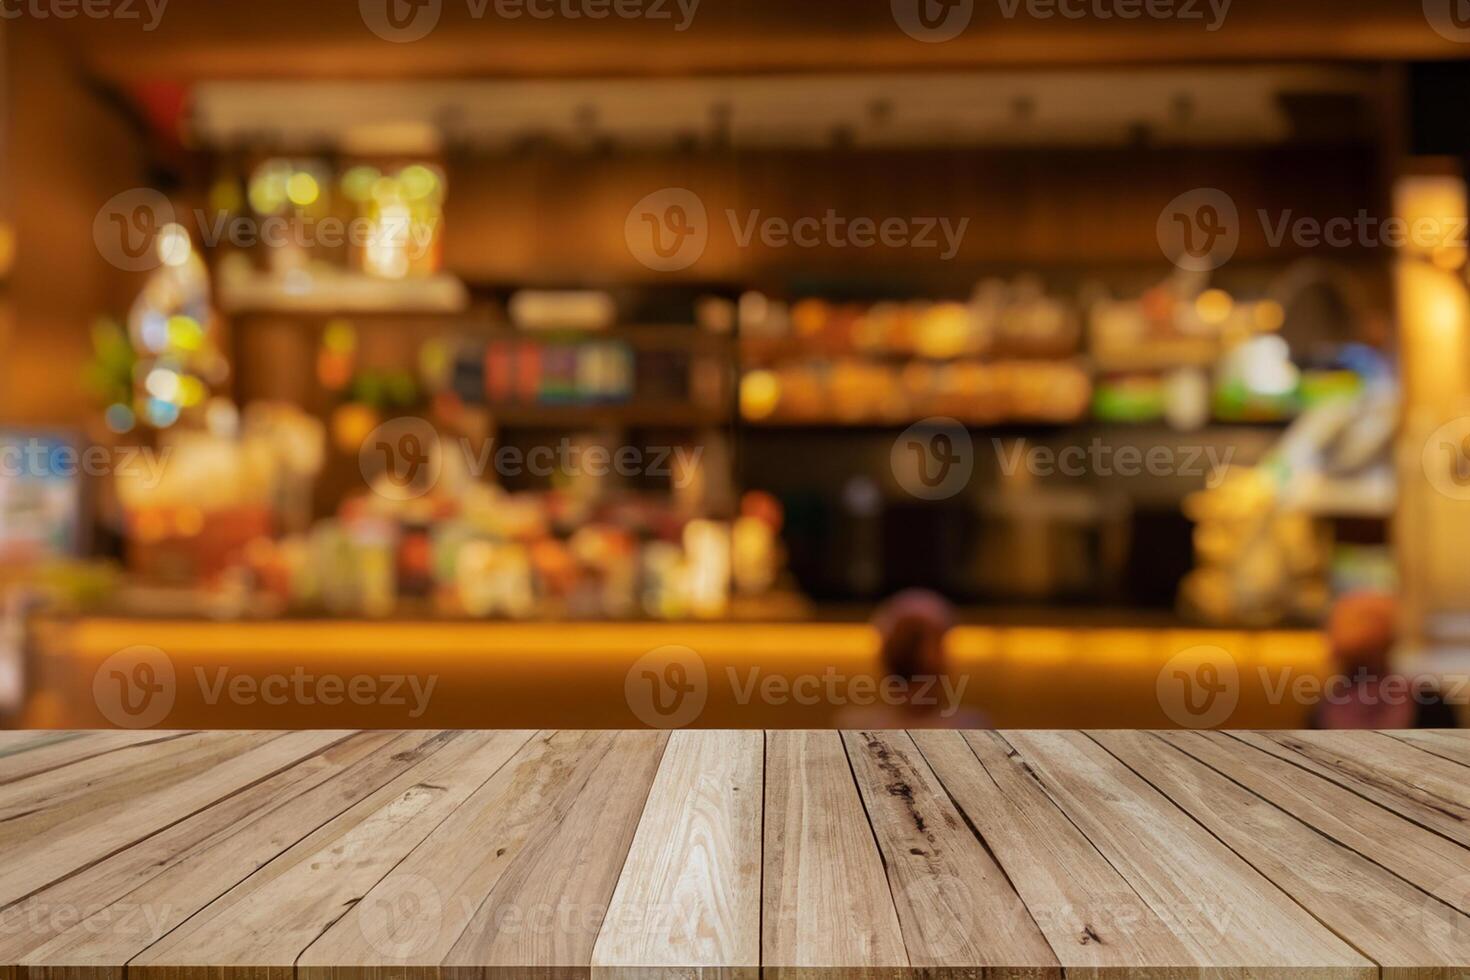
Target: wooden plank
{"points": [[22, 758], [957, 911], [266, 922], [415, 914], [1183, 872], [1095, 922], [544, 914], [123, 818], [115, 909], [1444, 778], [13, 741], [1430, 791], [1451, 745], [1438, 866], [1408, 933], [688, 901], [826, 901], [31, 807]]}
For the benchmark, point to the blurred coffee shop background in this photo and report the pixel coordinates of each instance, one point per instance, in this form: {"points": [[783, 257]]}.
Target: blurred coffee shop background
{"points": [[487, 346]]}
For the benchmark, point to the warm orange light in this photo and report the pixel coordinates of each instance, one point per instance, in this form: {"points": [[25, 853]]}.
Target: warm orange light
{"points": [[554, 645]]}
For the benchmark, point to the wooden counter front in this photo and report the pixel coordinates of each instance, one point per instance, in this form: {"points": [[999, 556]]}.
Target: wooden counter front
{"points": [[598, 675]]}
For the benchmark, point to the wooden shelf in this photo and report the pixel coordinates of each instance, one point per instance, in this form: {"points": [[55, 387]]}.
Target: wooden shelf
{"points": [[643, 336], [1005, 425], [341, 294], [897, 424], [647, 414]]}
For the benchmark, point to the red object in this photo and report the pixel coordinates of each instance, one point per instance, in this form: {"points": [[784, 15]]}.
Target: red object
{"points": [[499, 372], [165, 108], [763, 507], [189, 558], [528, 371]]}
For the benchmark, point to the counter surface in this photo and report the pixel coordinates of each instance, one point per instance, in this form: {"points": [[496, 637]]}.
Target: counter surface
{"points": [[647, 854]]}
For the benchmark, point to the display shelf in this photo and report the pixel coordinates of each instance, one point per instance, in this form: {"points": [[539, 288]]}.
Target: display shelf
{"points": [[635, 413], [1017, 425], [340, 294]]}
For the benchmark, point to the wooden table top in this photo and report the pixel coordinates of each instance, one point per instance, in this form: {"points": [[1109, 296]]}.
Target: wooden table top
{"points": [[733, 854]]}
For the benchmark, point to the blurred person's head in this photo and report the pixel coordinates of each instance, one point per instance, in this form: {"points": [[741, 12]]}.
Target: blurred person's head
{"points": [[911, 629], [1361, 631]]}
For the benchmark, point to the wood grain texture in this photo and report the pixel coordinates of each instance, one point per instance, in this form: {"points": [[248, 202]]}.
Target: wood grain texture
{"points": [[1414, 853], [1394, 923], [53, 797], [1454, 746], [1094, 920], [958, 912], [1240, 918], [129, 803], [53, 750], [133, 899], [688, 903], [1426, 789], [271, 917], [546, 910], [826, 899], [565, 855], [415, 914]]}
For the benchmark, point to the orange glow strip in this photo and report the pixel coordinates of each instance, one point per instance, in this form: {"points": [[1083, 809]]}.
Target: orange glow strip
{"points": [[487, 643]]}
